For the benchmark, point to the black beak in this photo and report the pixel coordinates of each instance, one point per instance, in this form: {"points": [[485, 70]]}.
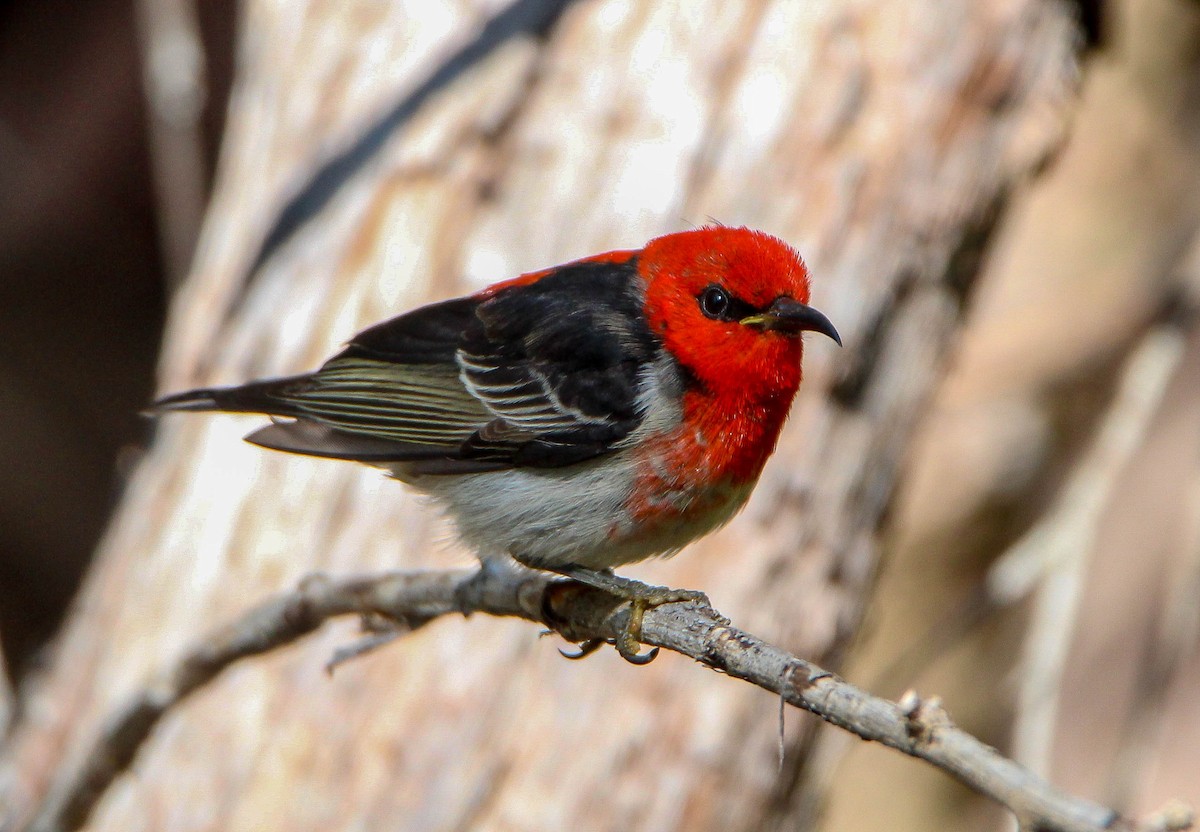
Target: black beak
{"points": [[792, 317]]}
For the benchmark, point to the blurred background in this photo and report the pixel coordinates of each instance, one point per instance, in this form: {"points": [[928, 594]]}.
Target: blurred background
{"points": [[1042, 571], [1062, 451], [88, 253]]}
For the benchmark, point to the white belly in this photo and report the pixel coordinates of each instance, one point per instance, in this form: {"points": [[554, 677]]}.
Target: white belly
{"points": [[575, 515]]}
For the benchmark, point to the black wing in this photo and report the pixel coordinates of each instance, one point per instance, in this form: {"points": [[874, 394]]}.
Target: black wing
{"points": [[541, 375], [558, 364]]}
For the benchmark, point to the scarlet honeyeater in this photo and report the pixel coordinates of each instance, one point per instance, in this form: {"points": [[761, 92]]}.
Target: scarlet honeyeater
{"points": [[577, 418]]}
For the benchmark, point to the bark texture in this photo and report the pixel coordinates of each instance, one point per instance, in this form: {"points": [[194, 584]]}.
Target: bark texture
{"points": [[880, 138]]}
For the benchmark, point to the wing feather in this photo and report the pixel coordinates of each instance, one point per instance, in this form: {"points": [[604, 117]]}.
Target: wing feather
{"points": [[539, 373], [407, 403], [559, 362]]}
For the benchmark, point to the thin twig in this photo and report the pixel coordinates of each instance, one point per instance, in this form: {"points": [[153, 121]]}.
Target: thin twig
{"points": [[1178, 630], [1173, 646], [917, 727], [1055, 553]]}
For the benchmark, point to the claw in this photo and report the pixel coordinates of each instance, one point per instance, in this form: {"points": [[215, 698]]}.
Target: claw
{"points": [[586, 649], [628, 648], [641, 597]]}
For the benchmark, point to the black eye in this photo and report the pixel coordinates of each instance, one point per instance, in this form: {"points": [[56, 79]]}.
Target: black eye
{"points": [[715, 303]]}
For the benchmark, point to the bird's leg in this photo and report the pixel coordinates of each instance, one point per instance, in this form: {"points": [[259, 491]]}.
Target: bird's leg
{"points": [[641, 597]]}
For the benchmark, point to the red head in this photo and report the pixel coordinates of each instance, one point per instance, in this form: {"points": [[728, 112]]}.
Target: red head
{"points": [[731, 304]]}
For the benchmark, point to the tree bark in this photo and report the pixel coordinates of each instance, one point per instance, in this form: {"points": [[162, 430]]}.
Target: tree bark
{"points": [[881, 138]]}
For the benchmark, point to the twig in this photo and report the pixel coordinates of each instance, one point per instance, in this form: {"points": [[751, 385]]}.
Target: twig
{"points": [[1049, 559], [1172, 647], [918, 728], [1179, 621], [1054, 554]]}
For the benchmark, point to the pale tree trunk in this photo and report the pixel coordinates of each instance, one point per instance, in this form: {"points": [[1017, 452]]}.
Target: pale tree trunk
{"points": [[880, 138]]}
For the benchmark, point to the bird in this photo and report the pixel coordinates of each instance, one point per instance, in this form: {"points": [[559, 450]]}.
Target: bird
{"points": [[574, 419]]}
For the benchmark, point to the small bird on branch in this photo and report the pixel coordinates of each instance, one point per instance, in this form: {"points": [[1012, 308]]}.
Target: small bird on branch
{"points": [[577, 418]]}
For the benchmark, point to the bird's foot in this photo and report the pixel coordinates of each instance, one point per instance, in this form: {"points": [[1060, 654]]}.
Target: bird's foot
{"points": [[641, 597]]}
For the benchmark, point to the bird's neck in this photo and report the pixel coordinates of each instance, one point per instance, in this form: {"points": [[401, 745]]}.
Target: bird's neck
{"points": [[708, 463], [732, 437]]}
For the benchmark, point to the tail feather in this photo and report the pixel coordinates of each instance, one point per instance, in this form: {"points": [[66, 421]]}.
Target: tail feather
{"points": [[205, 399], [310, 435], [256, 397]]}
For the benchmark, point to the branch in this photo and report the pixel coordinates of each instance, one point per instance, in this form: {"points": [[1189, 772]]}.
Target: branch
{"points": [[918, 728]]}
